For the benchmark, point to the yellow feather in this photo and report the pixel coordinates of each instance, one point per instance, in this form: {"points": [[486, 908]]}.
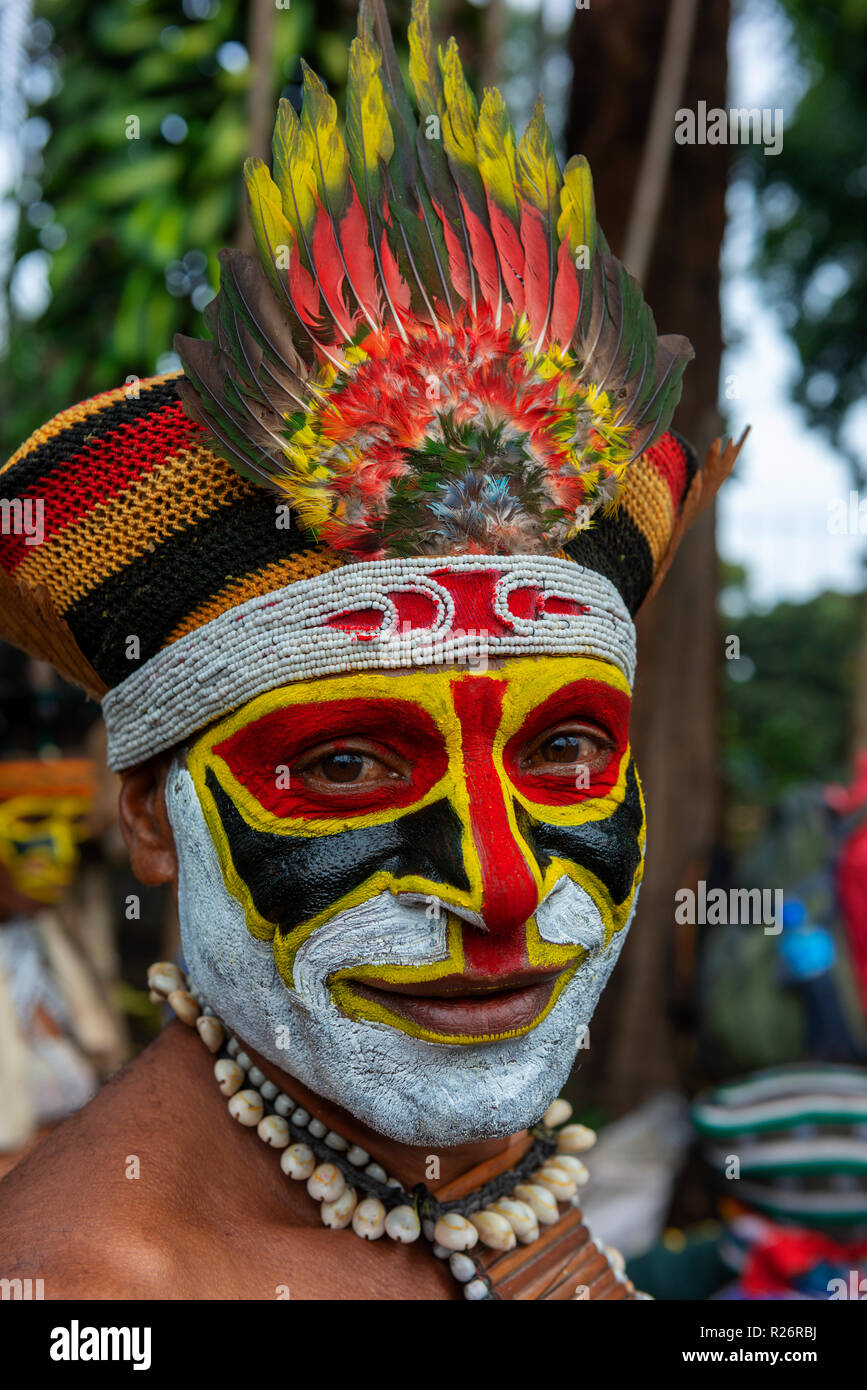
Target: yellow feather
{"points": [[293, 169], [577, 218], [272, 229], [330, 160], [495, 151], [539, 178], [461, 113]]}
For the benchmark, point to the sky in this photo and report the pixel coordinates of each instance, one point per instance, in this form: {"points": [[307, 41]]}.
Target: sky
{"points": [[773, 516]]}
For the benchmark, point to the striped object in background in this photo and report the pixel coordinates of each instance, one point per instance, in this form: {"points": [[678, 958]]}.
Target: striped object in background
{"points": [[799, 1134]]}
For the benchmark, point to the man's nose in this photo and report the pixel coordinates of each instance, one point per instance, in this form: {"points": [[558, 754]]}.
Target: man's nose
{"points": [[509, 890]]}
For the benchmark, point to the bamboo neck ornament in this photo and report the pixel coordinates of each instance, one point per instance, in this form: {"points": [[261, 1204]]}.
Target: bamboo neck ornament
{"points": [[515, 1234]]}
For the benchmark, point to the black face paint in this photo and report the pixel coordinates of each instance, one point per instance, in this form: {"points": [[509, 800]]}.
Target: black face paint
{"points": [[292, 878], [609, 848]]}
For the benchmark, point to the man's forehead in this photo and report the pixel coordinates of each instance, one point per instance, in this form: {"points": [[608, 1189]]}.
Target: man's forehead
{"points": [[524, 682]]}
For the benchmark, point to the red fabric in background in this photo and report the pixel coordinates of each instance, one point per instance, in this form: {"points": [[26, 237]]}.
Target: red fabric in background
{"points": [[852, 895]]}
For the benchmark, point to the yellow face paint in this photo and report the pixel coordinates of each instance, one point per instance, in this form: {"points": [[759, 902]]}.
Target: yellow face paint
{"points": [[467, 828], [39, 843]]}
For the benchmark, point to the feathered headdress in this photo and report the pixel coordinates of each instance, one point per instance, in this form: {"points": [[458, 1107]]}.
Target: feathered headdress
{"points": [[435, 352]]}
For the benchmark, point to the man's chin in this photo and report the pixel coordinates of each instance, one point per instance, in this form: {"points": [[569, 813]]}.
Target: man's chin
{"points": [[442, 1096], [433, 1094]]}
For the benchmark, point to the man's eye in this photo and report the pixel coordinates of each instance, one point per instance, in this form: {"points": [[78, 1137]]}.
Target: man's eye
{"points": [[568, 748], [324, 768], [342, 767]]}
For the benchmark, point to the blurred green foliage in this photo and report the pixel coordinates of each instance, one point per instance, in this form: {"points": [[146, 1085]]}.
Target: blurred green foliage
{"points": [[813, 202], [128, 203], [787, 710]]}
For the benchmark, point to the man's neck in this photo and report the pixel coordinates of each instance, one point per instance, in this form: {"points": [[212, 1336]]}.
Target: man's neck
{"points": [[437, 1167]]}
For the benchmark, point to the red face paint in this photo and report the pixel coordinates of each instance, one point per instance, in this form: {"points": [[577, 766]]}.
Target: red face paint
{"points": [[587, 701], [257, 750], [510, 894]]}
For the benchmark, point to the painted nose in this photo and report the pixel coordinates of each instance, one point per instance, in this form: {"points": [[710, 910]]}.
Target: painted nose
{"points": [[509, 890]]}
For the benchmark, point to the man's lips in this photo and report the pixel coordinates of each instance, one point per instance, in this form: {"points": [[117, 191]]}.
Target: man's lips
{"points": [[466, 1005]]}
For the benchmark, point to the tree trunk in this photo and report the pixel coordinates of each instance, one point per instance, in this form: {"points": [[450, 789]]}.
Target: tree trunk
{"points": [[616, 48]]}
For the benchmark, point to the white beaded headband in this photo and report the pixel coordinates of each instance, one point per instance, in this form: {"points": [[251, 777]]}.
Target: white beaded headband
{"points": [[382, 614]]}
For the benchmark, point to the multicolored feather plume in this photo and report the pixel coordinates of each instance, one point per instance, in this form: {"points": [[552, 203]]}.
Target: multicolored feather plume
{"points": [[434, 350]]}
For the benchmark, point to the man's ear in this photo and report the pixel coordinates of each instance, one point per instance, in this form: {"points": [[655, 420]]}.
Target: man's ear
{"points": [[145, 822]]}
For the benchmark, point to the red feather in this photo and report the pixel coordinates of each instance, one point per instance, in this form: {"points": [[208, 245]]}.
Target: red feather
{"points": [[458, 269], [537, 267], [485, 260], [511, 254], [330, 273], [355, 244], [398, 289], [567, 297], [303, 290]]}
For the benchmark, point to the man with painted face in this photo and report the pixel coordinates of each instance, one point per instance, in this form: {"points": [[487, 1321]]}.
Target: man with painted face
{"points": [[356, 591]]}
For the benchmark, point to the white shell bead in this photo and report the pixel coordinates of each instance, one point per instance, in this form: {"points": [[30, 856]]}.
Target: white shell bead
{"points": [[540, 1200], [575, 1139], [615, 1259], [274, 1130], [475, 1290], [326, 1183], [358, 1156], [455, 1232], [284, 1105], [269, 1091], [210, 1032], [402, 1224], [557, 1113], [336, 1142], [375, 1170], [244, 1061], [571, 1165], [494, 1230], [368, 1219], [338, 1214], [246, 1107], [298, 1161], [462, 1267], [256, 1076], [229, 1076], [300, 1117], [164, 976], [520, 1217], [184, 1006], [317, 1129], [557, 1181]]}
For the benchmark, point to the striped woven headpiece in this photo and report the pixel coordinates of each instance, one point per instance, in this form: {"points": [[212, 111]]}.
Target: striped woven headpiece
{"points": [[453, 395]]}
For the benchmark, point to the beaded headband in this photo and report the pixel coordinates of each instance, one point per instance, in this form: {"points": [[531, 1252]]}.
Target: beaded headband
{"points": [[432, 423]]}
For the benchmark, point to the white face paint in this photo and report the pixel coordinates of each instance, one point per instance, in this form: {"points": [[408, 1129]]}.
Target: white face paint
{"points": [[411, 1090]]}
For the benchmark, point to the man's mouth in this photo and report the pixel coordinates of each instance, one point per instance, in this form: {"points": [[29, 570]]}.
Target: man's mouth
{"points": [[466, 1006]]}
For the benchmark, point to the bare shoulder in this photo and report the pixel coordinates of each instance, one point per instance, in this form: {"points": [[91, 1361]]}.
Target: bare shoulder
{"points": [[97, 1209]]}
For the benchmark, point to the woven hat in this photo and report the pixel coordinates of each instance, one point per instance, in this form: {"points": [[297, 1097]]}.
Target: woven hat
{"points": [[433, 411]]}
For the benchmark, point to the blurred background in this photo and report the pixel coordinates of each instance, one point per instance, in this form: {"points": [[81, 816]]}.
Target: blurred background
{"points": [[123, 127]]}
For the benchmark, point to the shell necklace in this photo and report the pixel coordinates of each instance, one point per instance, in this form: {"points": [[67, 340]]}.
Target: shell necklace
{"points": [[501, 1239]]}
